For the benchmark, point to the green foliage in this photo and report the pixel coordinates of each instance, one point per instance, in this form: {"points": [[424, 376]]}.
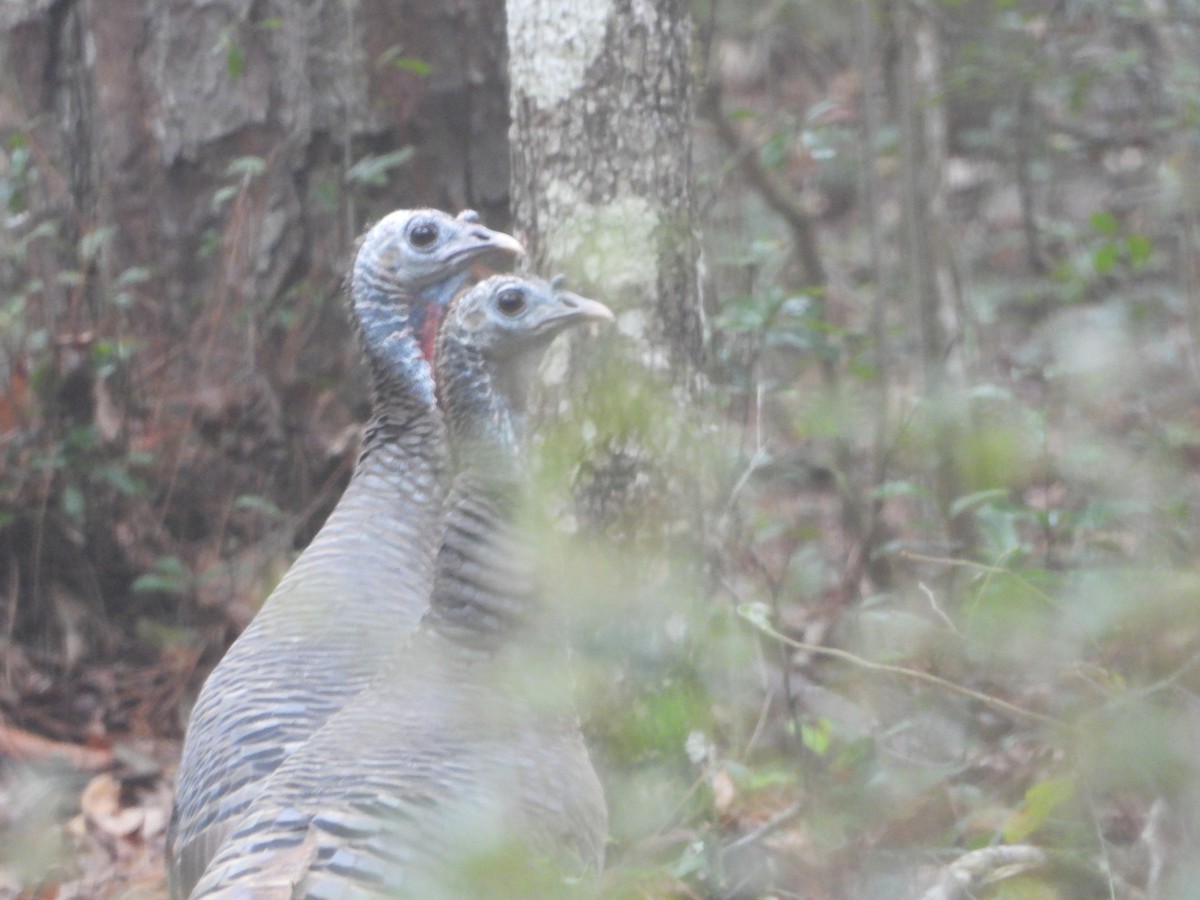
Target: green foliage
{"points": [[374, 170], [395, 57], [931, 617], [1041, 802], [229, 47], [168, 576], [240, 174]]}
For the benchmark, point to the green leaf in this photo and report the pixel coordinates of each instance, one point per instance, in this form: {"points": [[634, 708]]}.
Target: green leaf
{"points": [[774, 151], [235, 60], [1105, 223], [411, 64], [93, 242], [1139, 247], [816, 736], [1105, 258], [246, 167], [394, 56], [254, 503], [1039, 805], [168, 576], [73, 503], [693, 859], [120, 479], [372, 171], [133, 275], [757, 614], [977, 499], [222, 196], [900, 488]]}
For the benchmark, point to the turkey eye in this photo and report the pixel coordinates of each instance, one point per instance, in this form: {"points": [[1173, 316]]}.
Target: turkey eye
{"points": [[423, 235], [511, 302]]}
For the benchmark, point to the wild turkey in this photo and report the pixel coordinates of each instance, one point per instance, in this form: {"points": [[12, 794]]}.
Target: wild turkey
{"points": [[363, 583], [462, 766]]}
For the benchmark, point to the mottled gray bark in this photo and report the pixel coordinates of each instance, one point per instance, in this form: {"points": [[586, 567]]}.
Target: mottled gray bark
{"points": [[602, 108]]}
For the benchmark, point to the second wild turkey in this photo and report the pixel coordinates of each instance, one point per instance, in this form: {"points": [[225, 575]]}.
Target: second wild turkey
{"points": [[362, 584], [461, 771]]}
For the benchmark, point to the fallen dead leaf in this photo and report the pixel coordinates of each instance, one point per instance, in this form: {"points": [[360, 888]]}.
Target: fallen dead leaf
{"points": [[101, 804], [724, 792]]}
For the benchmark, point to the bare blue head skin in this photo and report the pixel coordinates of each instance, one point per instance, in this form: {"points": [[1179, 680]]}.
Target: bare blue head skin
{"points": [[409, 266], [488, 352]]}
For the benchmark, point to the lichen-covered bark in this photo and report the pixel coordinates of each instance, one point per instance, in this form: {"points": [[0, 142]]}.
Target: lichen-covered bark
{"points": [[602, 108]]}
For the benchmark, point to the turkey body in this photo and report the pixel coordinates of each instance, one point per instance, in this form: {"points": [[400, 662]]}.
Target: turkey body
{"points": [[359, 589], [461, 770]]}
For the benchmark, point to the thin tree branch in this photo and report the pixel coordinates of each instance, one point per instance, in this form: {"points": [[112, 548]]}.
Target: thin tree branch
{"points": [[773, 192], [766, 628]]}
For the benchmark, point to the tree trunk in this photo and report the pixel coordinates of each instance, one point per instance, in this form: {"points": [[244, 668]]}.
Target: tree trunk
{"points": [[199, 171], [602, 166], [935, 301], [602, 108]]}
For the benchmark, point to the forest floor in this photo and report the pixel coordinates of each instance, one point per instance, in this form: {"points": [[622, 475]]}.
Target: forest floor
{"points": [[86, 791]]}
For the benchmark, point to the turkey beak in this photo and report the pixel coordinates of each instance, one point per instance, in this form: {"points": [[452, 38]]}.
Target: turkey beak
{"points": [[505, 243], [478, 241], [574, 309], [593, 310]]}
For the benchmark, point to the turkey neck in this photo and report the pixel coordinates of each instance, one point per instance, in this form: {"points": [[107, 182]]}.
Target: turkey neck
{"points": [[484, 590], [394, 326], [397, 488]]}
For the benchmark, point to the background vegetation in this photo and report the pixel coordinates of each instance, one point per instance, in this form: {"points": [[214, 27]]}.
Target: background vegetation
{"points": [[945, 635]]}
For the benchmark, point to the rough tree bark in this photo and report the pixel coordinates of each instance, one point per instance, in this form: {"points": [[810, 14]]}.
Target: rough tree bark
{"points": [[137, 109], [602, 107], [132, 113]]}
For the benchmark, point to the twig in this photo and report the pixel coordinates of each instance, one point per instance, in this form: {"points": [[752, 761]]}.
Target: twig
{"points": [[20, 745], [980, 567], [1101, 842], [756, 461], [766, 828], [773, 192], [936, 608], [979, 869], [971, 870], [762, 625], [1169, 680]]}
